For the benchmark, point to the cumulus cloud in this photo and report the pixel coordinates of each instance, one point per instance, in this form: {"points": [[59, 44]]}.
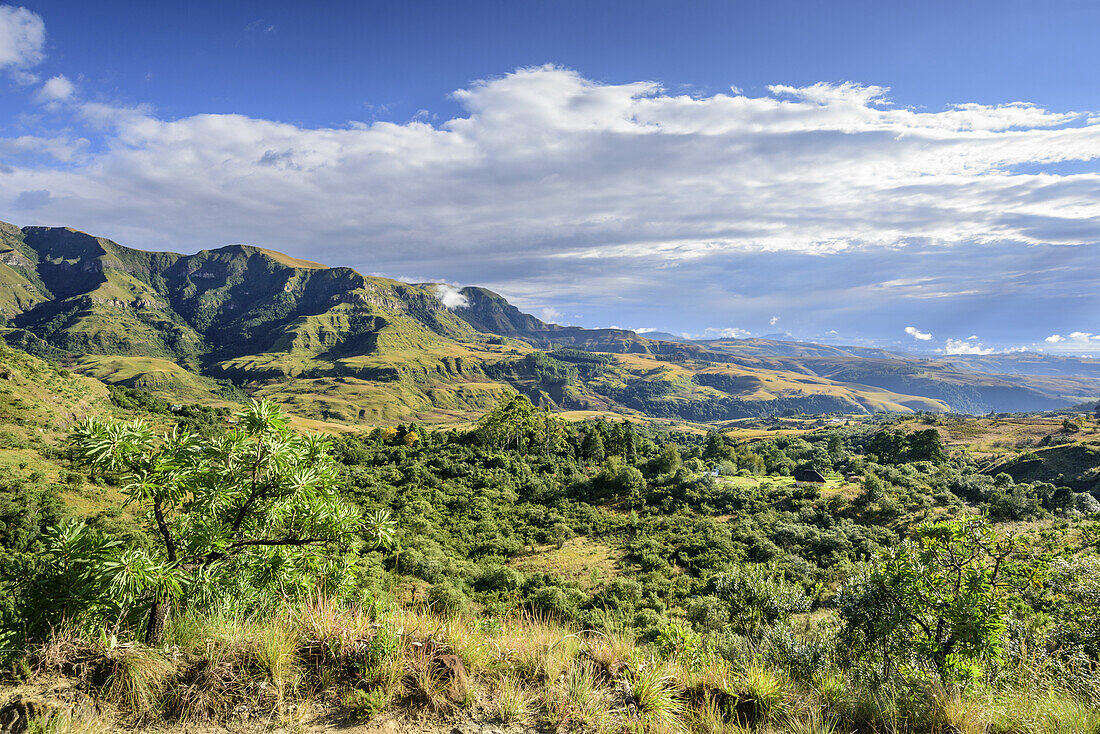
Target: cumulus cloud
{"points": [[551, 183], [959, 346], [550, 314], [918, 334], [56, 89], [1073, 342], [22, 37], [546, 159], [773, 320], [450, 296]]}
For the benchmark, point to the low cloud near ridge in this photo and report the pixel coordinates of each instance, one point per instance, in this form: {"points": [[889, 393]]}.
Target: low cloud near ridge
{"points": [[450, 296]]}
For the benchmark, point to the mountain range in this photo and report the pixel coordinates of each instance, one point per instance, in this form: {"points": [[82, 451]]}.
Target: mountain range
{"points": [[333, 344]]}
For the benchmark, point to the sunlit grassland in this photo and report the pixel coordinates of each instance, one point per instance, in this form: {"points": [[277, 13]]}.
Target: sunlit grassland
{"points": [[316, 664], [588, 563]]}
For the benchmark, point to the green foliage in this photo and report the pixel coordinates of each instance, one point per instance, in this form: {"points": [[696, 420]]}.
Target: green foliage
{"points": [[935, 602], [238, 517], [515, 424], [608, 526], [1075, 588], [676, 642], [754, 597], [85, 578], [897, 447], [446, 599]]}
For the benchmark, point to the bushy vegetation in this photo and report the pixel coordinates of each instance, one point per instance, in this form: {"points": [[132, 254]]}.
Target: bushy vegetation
{"points": [[590, 576]]}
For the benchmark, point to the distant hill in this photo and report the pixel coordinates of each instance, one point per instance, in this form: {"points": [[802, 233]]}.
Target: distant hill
{"points": [[333, 344], [1028, 363]]}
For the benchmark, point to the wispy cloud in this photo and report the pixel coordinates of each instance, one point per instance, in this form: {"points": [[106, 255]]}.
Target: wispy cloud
{"points": [[22, 41], [728, 332]]}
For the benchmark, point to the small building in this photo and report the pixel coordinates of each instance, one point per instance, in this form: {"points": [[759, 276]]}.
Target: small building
{"points": [[808, 476]]}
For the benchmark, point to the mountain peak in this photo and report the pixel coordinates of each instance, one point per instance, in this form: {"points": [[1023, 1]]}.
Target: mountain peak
{"points": [[280, 257]]}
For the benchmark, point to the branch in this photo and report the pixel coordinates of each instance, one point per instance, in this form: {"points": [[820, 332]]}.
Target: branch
{"points": [[213, 556], [279, 541], [166, 534]]}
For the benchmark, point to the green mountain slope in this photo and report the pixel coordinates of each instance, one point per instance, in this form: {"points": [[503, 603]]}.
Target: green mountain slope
{"points": [[334, 344]]}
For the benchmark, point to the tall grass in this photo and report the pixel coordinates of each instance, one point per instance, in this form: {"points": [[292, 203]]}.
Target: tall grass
{"points": [[526, 670]]}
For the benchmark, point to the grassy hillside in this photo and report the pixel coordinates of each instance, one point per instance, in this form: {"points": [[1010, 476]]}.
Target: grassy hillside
{"points": [[335, 345], [591, 576]]}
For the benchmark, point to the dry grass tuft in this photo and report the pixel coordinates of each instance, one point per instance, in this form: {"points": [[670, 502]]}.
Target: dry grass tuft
{"points": [[514, 702], [653, 691], [611, 653]]}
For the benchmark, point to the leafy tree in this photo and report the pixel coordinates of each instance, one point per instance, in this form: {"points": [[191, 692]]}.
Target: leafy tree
{"points": [[1014, 502], [84, 575], [755, 596], [888, 447], [1075, 587], [926, 445], [715, 447], [254, 509], [669, 459], [592, 447], [935, 602], [516, 424]]}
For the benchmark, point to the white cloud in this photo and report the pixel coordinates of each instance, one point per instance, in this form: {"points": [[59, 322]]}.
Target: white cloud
{"points": [[972, 338], [591, 188], [958, 346], [545, 157], [550, 314], [773, 320], [644, 330], [56, 89], [22, 37], [1073, 342], [450, 296], [726, 333], [918, 334]]}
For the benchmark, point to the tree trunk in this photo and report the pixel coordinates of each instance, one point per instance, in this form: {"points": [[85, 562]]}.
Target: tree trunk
{"points": [[158, 619]]}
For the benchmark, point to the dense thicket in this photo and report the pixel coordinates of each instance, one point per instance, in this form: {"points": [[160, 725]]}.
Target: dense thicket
{"points": [[699, 535]]}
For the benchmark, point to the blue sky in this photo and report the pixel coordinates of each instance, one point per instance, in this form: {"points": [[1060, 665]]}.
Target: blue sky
{"points": [[917, 175]]}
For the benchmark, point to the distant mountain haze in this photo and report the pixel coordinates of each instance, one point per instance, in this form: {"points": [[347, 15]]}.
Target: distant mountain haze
{"points": [[331, 343]]}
